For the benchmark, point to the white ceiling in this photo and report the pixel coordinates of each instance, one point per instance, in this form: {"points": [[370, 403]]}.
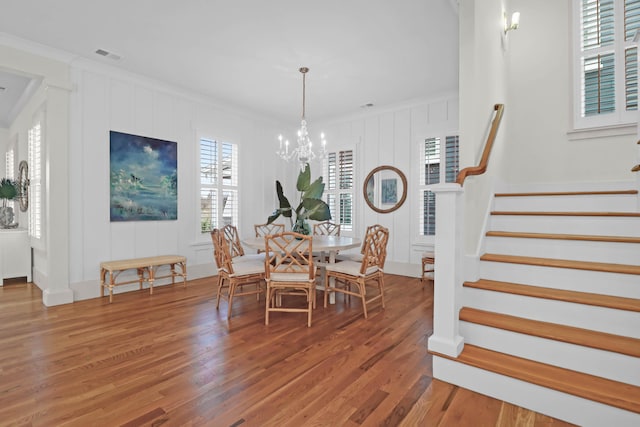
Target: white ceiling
{"points": [[246, 53]]}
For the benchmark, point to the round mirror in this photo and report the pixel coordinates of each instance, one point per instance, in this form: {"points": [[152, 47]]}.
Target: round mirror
{"points": [[385, 189]]}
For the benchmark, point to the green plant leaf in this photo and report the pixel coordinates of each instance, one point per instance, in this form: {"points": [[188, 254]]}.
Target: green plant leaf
{"points": [[8, 189], [284, 202], [315, 190], [273, 217], [316, 209], [304, 178]]}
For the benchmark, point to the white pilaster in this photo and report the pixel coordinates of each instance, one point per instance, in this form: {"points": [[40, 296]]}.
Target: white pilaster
{"points": [[448, 270]]}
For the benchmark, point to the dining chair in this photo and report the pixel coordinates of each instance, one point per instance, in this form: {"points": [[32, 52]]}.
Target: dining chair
{"points": [[266, 229], [361, 274], [326, 228], [235, 276], [428, 267], [358, 257], [232, 241], [289, 270]]}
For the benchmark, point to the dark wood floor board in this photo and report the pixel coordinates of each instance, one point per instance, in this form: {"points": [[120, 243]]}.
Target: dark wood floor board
{"points": [[172, 359]]}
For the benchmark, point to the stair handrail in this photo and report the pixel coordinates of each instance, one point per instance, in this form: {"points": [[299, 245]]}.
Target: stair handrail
{"points": [[484, 160]]}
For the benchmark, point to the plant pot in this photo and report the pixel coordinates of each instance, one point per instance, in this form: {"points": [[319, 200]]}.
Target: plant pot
{"points": [[6, 217], [302, 226]]}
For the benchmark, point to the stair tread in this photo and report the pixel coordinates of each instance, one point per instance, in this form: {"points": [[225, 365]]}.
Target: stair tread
{"points": [[557, 236], [567, 213], [567, 193], [563, 263], [609, 392], [608, 301], [569, 334]]}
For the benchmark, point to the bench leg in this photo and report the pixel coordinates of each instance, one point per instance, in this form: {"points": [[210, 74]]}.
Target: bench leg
{"points": [[141, 277], [103, 273], [151, 275], [112, 283], [183, 265]]}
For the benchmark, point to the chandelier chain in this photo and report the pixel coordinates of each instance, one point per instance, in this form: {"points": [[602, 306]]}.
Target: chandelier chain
{"points": [[303, 152]]}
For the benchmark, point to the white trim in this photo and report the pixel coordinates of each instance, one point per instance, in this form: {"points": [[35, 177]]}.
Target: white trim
{"points": [[602, 132]]}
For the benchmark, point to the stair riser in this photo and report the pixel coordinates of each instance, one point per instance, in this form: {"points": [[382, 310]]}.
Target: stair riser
{"points": [[559, 405], [586, 203], [617, 322], [578, 250], [622, 285], [591, 361], [598, 226]]}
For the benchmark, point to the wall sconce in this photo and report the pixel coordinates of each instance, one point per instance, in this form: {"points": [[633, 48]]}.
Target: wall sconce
{"points": [[515, 21]]}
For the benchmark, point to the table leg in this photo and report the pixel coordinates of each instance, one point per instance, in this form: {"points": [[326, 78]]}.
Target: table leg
{"points": [[332, 280]]}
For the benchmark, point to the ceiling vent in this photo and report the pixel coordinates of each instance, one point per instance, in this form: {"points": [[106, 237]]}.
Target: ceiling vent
{"points": [[108, 54]]}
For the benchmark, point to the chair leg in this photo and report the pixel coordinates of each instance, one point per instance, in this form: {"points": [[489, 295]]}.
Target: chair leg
{"points": [[381, 288], [266, 306], [232, 290], [326, 288], [219, 293], [309, 308], [363, 296]]}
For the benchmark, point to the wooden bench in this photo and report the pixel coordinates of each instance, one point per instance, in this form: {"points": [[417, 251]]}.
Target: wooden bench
{"points": [[146, 268]]}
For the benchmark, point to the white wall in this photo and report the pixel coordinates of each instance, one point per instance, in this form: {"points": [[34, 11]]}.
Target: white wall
{"points": [[50, 255], [108, 99], [482, 85], [390, 136], [540, 144]]}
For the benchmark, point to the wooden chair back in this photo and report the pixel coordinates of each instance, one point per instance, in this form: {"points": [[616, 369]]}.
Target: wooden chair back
{"points": [[326, 228], [289, 252], [232, 240], [266, 229], [375, 248], [221, 251]]}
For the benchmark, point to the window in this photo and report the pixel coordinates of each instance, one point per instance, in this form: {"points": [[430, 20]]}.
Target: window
{"points": [[218, 184], [606, 62], [9, 168], [432, 171], [35, 178], [339, 174]]}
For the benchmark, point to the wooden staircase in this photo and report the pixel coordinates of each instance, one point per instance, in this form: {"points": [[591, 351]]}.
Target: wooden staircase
{"points": [[558, 302]]}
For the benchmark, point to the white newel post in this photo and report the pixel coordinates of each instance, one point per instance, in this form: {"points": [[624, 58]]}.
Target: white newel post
{"points": [[448, 270]]}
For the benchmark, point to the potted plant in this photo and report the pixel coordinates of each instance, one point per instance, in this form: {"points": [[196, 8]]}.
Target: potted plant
{"points": [[311, 204], [8, 191]]}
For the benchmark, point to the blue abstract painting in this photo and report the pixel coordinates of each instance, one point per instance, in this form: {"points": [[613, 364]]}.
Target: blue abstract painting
{"points": [[144, 178]]}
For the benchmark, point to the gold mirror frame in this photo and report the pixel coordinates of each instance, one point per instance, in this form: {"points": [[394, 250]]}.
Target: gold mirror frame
{"points": [[370, 177]]}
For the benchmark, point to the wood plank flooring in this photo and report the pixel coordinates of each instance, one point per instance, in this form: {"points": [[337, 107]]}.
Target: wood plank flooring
{"points": [[172, 359]]}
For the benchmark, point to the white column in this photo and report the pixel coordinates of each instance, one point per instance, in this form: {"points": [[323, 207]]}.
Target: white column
{"points": [[448, 270], [56, 214]]}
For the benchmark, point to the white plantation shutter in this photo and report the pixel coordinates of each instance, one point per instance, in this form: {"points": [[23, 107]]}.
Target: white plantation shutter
{"points": [[218, 184], [9, 170], [35, 180], [432, 171], [339, 173], [607, 60]]}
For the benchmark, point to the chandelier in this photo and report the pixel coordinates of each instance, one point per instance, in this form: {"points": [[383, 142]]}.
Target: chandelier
{"points": [[303, 152]]}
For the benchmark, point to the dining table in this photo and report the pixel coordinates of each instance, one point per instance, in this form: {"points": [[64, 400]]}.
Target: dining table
{"points": [[321, 244]]}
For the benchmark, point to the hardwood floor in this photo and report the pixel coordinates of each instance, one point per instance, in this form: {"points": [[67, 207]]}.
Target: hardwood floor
{"points": [[172, 359]]}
